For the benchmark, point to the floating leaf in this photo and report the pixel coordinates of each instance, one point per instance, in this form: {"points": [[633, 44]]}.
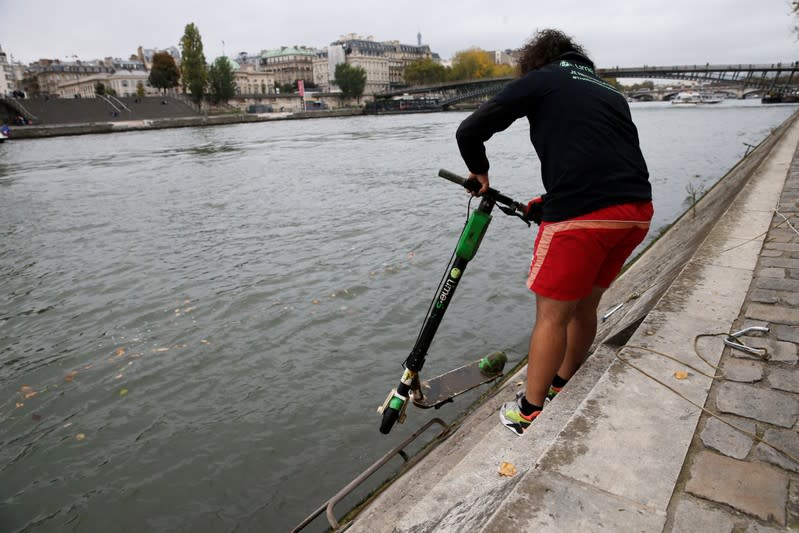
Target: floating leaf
{"points": [[80, 436], [681, 374], [161, 350], [20, 404], [205, 341], [507, 469], [119, 352], [123, 392], [315, 301], [71, 375]]}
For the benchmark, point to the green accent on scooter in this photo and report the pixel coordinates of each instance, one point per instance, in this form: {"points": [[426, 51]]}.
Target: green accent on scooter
{"points": [[396, 403], [472, 235]]}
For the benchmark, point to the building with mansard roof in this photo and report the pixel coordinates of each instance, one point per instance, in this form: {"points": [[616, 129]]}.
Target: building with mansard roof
{"points": [[47, 75], [249, 78], [383, 61], [288, 64], [77, 79]]}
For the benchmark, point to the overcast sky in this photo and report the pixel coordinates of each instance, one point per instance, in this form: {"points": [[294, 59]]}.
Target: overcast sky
{"points": [[615, 33]]}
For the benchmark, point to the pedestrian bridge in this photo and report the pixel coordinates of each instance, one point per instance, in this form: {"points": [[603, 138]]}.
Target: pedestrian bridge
{"points": [[742, 79]]}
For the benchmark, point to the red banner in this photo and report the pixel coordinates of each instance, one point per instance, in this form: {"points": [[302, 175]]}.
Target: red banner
{"points": [[301, 87]]}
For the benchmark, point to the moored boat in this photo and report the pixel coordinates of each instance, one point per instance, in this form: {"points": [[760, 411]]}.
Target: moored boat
{"points": [[695, 98]]}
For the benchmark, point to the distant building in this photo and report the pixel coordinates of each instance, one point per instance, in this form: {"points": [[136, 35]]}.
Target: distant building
{"points": [[7, 79], [288, 64], [504, 57], [51, 77], [125, 64], [250, 79], [145, 55], [121, 82], [47, 75], [384, 62], [245, 58]]}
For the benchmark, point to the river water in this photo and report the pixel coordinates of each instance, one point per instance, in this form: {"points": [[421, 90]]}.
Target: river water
{"points": [[197, 325]]}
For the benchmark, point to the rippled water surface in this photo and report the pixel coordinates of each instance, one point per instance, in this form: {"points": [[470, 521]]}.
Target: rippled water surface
{"points": [[197, 325]]}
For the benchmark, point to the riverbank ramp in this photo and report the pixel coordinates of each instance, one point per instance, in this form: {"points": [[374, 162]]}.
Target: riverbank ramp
{"points": [[627, 445], [59, 111]]}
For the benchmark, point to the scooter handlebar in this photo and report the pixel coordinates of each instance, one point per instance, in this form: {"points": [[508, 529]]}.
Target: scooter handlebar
{"points": [[473, 185]]}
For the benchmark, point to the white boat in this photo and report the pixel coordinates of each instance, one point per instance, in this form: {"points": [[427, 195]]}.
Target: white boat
{"points": [[695, 98]]}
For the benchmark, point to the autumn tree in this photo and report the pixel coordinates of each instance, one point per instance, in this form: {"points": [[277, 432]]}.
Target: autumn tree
{"points": [[425, 71], [193, 69], [472, 64], [221, 82], [504, 71], [164, 73], [351, 80]]}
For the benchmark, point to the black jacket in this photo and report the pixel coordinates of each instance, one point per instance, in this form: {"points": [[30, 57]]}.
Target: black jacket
{"points": [[581, 129]]}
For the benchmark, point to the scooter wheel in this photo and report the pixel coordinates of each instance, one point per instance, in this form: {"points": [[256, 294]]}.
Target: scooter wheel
{"points": [[390, 417]]}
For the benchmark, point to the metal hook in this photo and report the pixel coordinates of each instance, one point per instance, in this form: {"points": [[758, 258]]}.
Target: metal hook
{"points": [[733, 341]]}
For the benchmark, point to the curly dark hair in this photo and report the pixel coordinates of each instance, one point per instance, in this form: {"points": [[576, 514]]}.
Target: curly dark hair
{"points": [[545, 46]]}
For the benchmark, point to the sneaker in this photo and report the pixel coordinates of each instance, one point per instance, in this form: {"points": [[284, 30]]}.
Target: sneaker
{"points": [[553, 391], [510, 414]]}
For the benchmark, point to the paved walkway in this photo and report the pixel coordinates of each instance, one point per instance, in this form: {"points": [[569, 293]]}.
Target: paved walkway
{"points": [[626, 446], [746, 478]]}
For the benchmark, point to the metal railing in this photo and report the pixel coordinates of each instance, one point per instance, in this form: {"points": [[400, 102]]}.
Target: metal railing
{"points": [[17, 105], [327, 507]]}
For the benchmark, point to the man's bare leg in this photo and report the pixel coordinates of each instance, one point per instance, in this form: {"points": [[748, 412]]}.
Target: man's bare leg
{"points": [[580, 333], [563, 332]]}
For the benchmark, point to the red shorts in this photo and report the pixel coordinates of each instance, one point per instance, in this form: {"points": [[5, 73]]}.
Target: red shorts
{"points": [[573, 256]]}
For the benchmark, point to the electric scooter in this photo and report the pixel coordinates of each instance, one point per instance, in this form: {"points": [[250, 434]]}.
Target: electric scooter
{"points": [[441, 389]]}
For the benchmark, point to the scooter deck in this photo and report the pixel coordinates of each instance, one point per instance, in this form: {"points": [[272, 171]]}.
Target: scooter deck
{"points": [[441, 389]]}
